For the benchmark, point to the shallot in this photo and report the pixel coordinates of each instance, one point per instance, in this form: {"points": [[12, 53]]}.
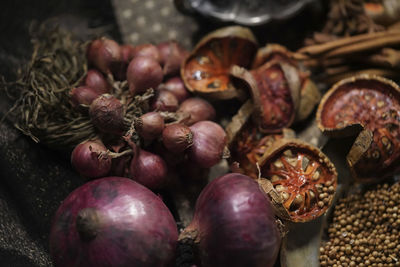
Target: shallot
{"points": [[89, 159], [209, 142], [113, 221], [234, 224]]}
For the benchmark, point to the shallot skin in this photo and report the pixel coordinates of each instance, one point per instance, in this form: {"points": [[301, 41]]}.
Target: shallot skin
{"points": [[135, 227], [209, 140], [235, 223]]}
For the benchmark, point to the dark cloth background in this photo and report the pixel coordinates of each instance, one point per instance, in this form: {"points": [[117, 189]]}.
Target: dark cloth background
{"points": [[35, 179]]}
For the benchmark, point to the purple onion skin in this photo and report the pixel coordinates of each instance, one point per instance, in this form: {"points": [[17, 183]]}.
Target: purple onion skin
{"points": [[147, 50], [177, 137], [172, 55], [82, 95], [104, 54], [143, 73], [85, 159], [236, 225], [150, 125], [134, 228], [127, 52], [199, 110], [176, 86], [164, 101], [149, 170], [97, 82], [107, 114], [209, 141]]}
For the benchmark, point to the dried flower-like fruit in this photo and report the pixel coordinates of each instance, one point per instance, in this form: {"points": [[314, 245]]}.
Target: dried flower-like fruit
{"points": [[299, 178], [258, 151], [370, 104], [206, 70]]}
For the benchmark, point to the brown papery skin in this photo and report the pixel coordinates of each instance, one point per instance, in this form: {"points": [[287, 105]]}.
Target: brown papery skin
{"points": [[107, 114], [177, 137], [375, 104]]}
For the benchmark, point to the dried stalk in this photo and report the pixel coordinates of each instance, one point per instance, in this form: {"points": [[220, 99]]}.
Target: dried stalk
{"points": [[42, 109]]}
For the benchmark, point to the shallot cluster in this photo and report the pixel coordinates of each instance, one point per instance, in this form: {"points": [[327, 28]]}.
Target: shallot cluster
{"points": [[171, 124]]}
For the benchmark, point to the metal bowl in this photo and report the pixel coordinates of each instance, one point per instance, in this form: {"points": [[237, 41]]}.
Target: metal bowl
{"points": [[245, 12]]}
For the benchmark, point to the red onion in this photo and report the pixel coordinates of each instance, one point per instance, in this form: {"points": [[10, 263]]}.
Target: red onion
{"points": [[209, 141], [82, 95], [104, 54], [172, 55], [234, 224], [177, 137], [148, 169], [113, 221], [88, 162], [165, 101], [96, 80], [150, 125], [127, 52], [143, 73], [147, 50], [107, 114], [198, 108], [176, 86]]}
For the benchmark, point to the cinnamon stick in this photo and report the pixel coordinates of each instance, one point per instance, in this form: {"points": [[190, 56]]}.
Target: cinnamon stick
{"points": [[343, 42], [364, 46], [380, 72]]}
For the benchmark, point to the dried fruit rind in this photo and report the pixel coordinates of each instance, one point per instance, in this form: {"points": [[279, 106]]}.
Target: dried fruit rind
{"points": [[309, 92], [206, 70], [370, 104], [303, 179], [275, 89]]}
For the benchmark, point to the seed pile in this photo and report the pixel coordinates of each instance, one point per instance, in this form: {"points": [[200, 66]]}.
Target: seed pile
{"points": [[365, 230]]}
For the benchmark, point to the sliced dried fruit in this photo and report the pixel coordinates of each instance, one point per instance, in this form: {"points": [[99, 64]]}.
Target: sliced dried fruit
{"points": [[299, 178], [206, 70], [261, 147], [370, 104]]}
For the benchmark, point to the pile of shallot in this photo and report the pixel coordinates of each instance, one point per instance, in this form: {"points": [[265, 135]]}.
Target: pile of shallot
{"points": [[172, 125]]}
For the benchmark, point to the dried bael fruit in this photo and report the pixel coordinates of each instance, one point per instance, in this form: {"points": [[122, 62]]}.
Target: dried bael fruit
{"points": [[246, 144], [309, 93], [299, 178], [206, 70], [275, 88], [370, 103], [258, 151]]}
